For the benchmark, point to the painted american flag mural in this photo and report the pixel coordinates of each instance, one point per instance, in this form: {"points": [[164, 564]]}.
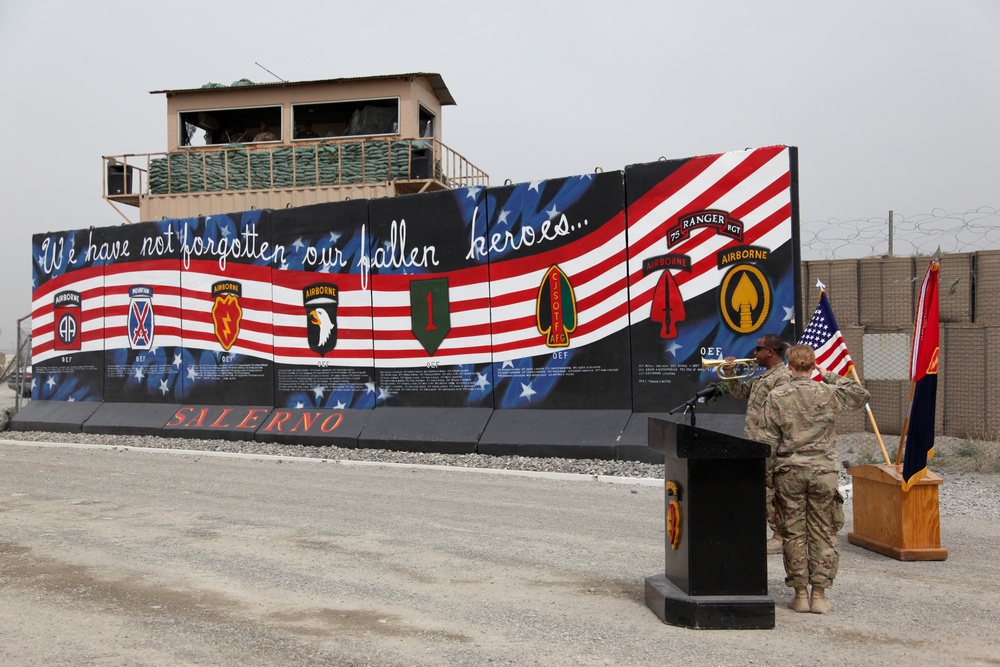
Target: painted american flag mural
{"points": [[593, 291], [712, 265]]}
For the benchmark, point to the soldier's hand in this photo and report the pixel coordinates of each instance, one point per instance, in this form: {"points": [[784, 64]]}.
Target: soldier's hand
{"points": [[729, 365]]}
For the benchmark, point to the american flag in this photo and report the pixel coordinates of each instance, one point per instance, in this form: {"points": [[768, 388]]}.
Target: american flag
{"points": [[823, 335]]}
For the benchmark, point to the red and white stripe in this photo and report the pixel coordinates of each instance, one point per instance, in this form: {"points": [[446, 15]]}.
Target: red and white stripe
{"points": [[754, 186]]}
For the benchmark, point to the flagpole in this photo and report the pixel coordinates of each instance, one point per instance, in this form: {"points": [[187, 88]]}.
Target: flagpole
{"points": [[871, 417], [824, 318]]}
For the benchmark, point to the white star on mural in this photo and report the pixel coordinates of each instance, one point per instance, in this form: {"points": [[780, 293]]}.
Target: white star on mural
{"points": [[384, 393], [507, 364], [481, 381], [177, 360], [789, 314], [334, 237], [318, 391], [299, 405], [673, 347], [192, 373], [473, 193], [502, 218], [370, 387], [340, 405], [589, 177], [553, 212], [527, 392], [224, 230], [163, 387], [71, 400], [51, 382], [298, 244], [534, 186], [139, 374]]}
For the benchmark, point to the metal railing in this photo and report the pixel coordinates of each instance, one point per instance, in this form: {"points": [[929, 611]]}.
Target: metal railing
{"points": [[326, 163]]}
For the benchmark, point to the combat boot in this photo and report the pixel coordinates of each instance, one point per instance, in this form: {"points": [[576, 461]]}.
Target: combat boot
{"points": [[818, 604], [774, 545], [799, 603]]}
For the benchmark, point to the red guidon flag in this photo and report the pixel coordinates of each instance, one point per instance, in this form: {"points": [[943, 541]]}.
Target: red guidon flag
{"points": [[923, 374]]}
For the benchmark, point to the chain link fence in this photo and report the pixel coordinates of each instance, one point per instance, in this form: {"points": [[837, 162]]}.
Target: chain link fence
{"points": [[15, 379], [874, 300]]}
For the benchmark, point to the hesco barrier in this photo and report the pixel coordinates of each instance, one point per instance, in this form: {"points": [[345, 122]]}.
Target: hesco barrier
{"points": [[875, 300]]}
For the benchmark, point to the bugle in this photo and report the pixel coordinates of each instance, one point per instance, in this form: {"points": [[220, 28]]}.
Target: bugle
{"points": [[743, 368]]}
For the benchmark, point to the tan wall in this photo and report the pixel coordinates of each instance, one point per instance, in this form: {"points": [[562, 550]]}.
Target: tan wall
{"points": [[408, 92], [879, 295]]}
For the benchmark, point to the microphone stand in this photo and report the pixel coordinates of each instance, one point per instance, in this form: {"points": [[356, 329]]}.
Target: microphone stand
{"points": [[689, 406]]}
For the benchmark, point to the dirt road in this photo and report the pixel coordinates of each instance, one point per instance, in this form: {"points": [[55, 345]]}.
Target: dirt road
{"points": [[130, 557]]}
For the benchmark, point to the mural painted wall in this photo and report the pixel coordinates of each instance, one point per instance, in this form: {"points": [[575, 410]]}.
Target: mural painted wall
{"points": [[600, 291], [713, 250], [226, 309], [323, 345], [430, 296], [559, 297], [143, 351], [67, 314]]}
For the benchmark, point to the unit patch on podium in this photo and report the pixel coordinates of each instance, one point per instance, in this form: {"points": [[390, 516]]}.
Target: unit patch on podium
{"points": [[674, 518]]}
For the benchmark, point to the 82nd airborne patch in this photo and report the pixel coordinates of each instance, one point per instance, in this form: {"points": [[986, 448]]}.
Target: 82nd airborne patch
{"points": [[67, 319]]}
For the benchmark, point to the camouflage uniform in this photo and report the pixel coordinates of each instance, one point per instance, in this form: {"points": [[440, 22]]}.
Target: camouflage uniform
{"points": [[755, 392], [798, 421]]}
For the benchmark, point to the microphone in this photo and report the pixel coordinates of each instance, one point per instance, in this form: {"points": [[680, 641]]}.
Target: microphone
{"points": [[708, 392]]}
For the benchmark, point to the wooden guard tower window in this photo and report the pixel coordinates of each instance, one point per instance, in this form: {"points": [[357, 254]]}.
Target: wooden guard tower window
{"points": [[346, 119], [227, 126], [426, 123]]}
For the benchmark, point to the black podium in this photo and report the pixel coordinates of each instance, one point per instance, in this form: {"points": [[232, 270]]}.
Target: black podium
{"points": [[716, 562]]}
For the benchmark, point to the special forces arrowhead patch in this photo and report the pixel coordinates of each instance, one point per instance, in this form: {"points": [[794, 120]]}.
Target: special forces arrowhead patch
{"points": [[745, 299], [140, 317], [226, 312], [320, 301], [555, 310]]}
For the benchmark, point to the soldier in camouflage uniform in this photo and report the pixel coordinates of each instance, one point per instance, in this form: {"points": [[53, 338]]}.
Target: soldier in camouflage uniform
{"points": [[768, 355], [798, 422]]}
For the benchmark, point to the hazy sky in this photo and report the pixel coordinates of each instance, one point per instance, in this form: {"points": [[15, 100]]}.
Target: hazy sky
{"points": [[892, 104]]}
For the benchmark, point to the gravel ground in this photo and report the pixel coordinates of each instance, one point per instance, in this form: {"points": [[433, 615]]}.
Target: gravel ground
{"points": [[966, 493], [111, 554]]}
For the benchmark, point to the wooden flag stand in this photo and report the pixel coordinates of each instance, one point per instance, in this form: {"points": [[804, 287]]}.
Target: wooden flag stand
{"points": [[904, 525]]}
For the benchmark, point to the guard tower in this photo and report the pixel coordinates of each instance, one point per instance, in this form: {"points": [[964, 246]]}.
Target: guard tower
{"points": [[274, 145]]}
